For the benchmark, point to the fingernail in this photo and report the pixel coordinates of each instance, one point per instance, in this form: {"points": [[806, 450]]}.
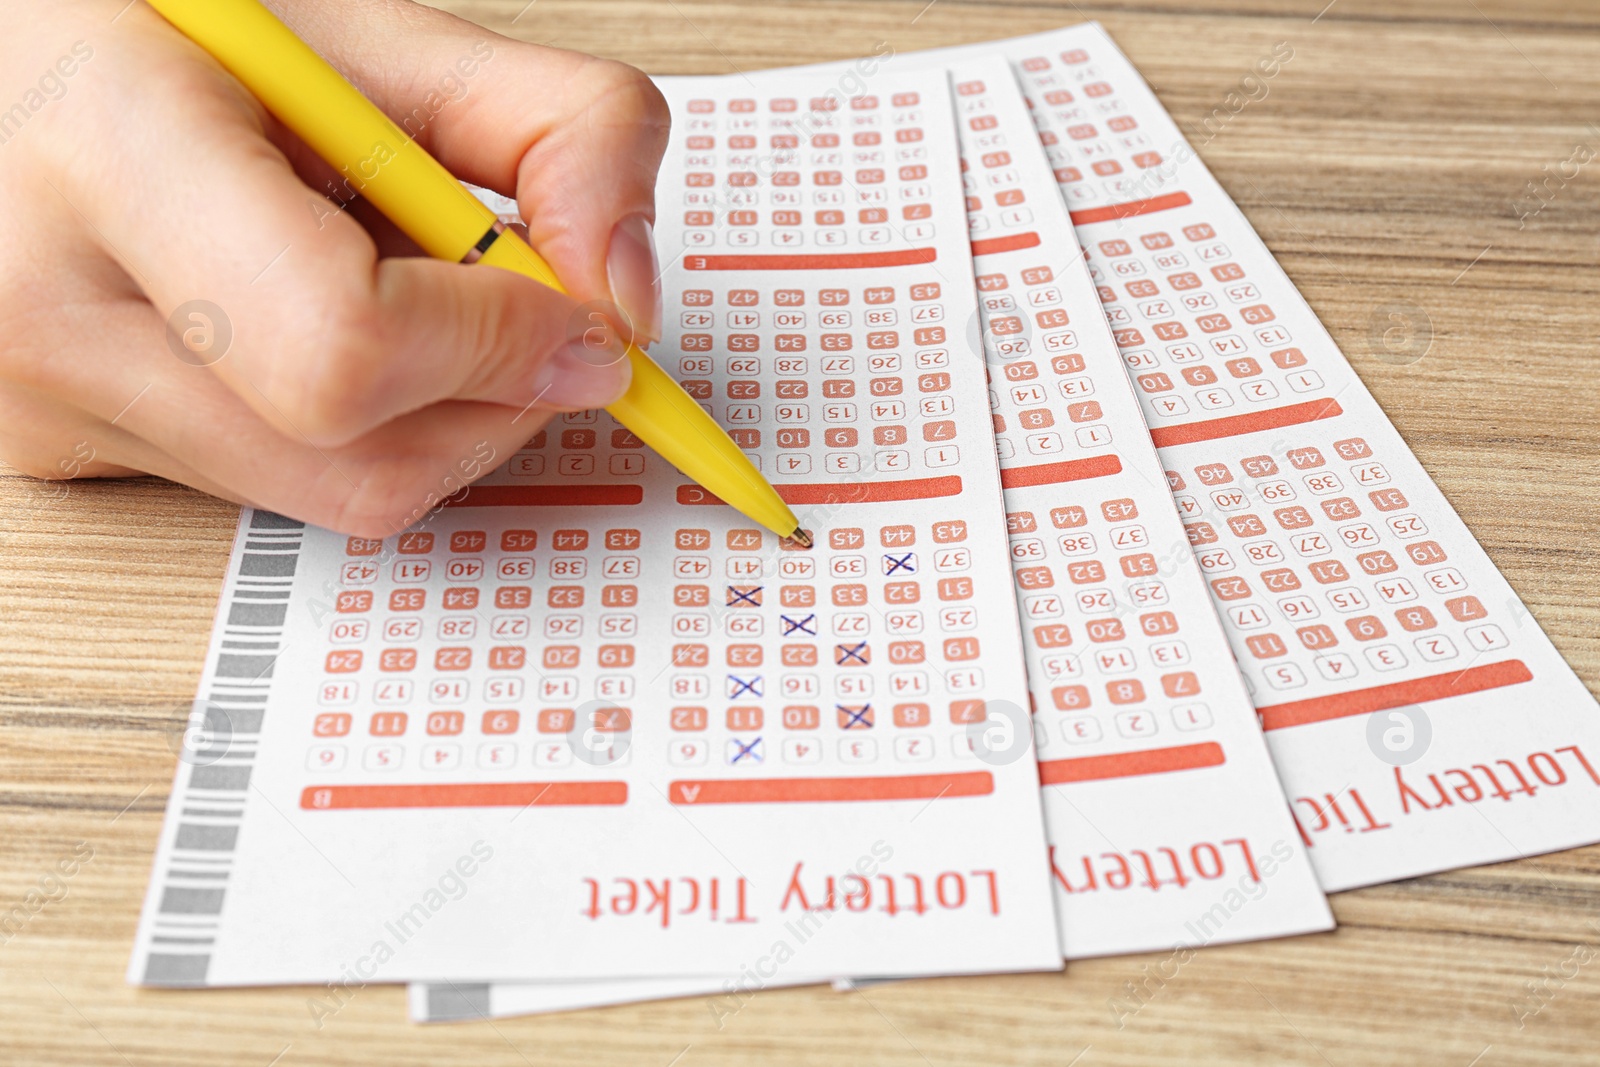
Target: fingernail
{"points": [[634, 272], [585, 373]]}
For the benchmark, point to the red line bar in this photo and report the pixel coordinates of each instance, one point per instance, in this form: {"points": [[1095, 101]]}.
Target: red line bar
{"points": [[464, 795], [1238, 425], [822, 790], [1396, 694], [844, 492], [1131, 208], [904, 257], [1071, 470], [545, 496], [1131, 764], [990, 245]]}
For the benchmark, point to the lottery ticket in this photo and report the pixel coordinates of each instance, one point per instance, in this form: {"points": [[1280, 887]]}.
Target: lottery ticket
{"points": [[1418, 715], [1160, 798], [582, 720]]}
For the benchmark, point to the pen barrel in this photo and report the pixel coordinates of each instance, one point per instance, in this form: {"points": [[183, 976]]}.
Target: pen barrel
{"points": [[696, 444], [375, 158]]}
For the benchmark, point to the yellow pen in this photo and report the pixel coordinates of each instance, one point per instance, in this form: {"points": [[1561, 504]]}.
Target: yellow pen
{"points": [[416, 193]]}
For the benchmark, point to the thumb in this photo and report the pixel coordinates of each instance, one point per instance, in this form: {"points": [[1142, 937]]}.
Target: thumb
{"points": [[359, 349], [576, 138]]}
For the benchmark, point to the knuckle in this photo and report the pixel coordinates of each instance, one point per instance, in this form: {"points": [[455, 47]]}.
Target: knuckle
{"points": [[39, 441], [627, 90], [56, 460], [30, 462], [391, 494], [327, 362], [330, 501], [516, 326]]}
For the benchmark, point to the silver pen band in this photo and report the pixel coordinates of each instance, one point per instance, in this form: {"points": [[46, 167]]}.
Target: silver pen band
{"points": [[489, 237]]}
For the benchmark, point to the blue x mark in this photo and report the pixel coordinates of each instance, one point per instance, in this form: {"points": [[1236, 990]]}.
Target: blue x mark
{"points": [[807, 625], [893, 564], [744, 596], [856, 653], [739, 686], [851, 718], [742, 750]]}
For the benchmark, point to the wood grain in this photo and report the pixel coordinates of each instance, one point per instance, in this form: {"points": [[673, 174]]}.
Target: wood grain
{"points": [[1384, 166]]}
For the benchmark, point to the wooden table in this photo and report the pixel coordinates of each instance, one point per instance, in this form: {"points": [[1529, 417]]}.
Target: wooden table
{"points": [[1385, 167]]}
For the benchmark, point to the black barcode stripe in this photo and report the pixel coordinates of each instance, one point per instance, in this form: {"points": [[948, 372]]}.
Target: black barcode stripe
{"points": [[194, 882]]}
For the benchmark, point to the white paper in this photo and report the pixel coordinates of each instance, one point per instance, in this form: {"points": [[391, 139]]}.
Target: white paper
{"points": [[1417, 713], [1166, 820]]}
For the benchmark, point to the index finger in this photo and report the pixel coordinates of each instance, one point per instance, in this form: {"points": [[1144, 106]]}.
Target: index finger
{"points": [[576, 138]]}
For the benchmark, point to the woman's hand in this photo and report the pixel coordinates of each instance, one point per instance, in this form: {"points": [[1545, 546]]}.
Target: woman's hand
{"points": [[185, 290]]}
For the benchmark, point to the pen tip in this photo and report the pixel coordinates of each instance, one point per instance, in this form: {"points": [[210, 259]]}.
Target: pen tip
{"points": [[801, 538]]}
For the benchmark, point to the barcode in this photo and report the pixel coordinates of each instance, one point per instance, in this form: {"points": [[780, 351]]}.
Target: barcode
{"points": [[219, 750], [457, 1002]]}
